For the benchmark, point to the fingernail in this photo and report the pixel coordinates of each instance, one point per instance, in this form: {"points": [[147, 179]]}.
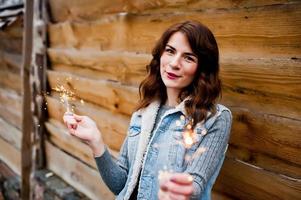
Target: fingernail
{"points": [[190, 178]]}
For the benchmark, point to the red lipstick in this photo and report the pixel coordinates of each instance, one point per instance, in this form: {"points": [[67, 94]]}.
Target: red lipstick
{"points": [[172, 76]]}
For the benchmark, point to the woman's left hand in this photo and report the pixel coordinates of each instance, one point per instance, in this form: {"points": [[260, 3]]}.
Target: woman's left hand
{"points": [[177, 187]]}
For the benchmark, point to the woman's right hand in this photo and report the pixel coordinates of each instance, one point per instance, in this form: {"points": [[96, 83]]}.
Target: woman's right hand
{"points": [[85, 129]]}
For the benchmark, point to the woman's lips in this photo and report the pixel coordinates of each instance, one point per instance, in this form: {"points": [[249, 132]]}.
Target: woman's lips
{"points": [[172, 76]]}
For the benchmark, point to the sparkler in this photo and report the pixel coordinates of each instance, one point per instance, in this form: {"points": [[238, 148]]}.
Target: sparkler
{"points": [[189, 138], [65, 96]]}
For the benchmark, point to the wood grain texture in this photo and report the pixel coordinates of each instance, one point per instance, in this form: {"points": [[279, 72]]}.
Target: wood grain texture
{"points": [[111, 95], [125, 67], [271, 135], [247, 32], [11, 156], [271, 86], [269, 163], [10, 134], [93, 9], [10, 107], [77, 174], [254, 83], [13, 61], [112, 125], [10, 79], [61, 138], [248, 182]]}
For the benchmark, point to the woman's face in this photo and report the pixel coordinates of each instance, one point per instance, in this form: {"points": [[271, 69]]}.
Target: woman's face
{"points": [[178, 64]]}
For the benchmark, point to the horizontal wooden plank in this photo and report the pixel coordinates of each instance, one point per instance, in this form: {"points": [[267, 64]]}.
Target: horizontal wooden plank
{"points": [[242, 181], [10, 155], [273, 136], [93, 9], [10, 133], [13, 61], [272, 83], [122, 66], [59, 136], [79, 175], [266, 162], [10, 107], [10, 79], [15, 30], [247, 32], [113, 126], [111, 95], [133, 79], [11, 45]]}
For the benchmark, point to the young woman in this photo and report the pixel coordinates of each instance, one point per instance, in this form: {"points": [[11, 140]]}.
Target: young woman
{"points": [[180, 93]]}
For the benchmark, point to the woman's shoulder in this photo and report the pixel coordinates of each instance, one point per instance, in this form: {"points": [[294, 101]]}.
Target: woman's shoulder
{"points": [[222, 114]]}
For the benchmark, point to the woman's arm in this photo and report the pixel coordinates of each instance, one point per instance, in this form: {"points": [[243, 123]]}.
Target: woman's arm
{"points": [[113, 174], [84, 128]]}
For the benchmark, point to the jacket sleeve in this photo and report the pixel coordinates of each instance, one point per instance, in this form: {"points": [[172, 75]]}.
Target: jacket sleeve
{"points": [[215, 142]]}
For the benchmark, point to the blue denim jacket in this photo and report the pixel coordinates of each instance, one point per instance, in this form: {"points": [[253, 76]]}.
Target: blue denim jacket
{"points": [[146, 151]]}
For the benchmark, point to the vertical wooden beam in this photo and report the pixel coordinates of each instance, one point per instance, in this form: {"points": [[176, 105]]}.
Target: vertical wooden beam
{"points": [[26, 107], [38, 81], [34, 87]]}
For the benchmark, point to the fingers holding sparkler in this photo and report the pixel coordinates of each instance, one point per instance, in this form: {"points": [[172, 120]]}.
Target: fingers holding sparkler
{"points": [[177, 186]]}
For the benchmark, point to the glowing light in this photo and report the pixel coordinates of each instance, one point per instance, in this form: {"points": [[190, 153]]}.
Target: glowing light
{"points": [[188, 138], [65, 96]]}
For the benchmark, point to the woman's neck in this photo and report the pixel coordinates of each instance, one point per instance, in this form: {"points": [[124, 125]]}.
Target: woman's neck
{"points": [[172, 97]]}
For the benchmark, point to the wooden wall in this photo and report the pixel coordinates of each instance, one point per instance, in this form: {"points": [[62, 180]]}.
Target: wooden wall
{"points": [[99, 49], [10, 92]]}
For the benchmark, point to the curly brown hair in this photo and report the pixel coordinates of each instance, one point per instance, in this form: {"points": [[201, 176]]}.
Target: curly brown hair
{"points": [[205, 88]]}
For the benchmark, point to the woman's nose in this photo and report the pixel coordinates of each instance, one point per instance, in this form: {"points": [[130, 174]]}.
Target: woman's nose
{"points": [[175, 62]]}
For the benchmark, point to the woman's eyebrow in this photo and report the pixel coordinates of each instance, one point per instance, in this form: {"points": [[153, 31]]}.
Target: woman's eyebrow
{"points": [[170, 47], [186, 53]]}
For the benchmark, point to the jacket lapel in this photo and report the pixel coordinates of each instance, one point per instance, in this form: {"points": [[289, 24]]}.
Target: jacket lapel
{"points": [[147, 124]]}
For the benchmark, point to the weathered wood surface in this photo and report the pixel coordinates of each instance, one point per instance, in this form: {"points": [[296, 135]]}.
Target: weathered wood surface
{"points": [[264, 86], [104, 51], [111, 95], [11, 37], [125, 67], [10, 107], [10, 133], [262, 160], [11, 61], [9, 79], [80, 10], [243, 181], [74, 172], [112, 125], [275, 140], [245, 32], [62, 139], [11, 156], [273, 136], [248, 82]]}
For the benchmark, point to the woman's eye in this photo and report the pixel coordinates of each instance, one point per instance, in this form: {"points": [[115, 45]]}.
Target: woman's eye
{"points": [[189, 59], [170, 51]]}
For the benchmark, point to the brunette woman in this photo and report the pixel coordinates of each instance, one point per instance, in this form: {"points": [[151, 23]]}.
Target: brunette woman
{"points": [[179, 93]]}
